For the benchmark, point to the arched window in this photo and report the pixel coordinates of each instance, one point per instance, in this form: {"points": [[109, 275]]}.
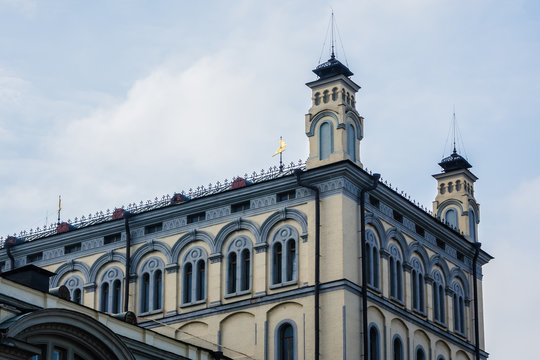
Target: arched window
{"points": [[397, 349], [326, 141], [284, 256], [372, 259], [472, 225], [194, 276], [111, 290], [396, 273], [151, 285], [334, 94], [418, 285], [451, 218], [239, 266], [459, 308], [373, 347], [326, 96], [420, 354], [317, 98], [74, 285], [440, 357], [439, 298], [286, 344], [351, 142]]}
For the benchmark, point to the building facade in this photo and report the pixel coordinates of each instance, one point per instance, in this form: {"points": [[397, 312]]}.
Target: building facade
{"points": [[269, 266]]}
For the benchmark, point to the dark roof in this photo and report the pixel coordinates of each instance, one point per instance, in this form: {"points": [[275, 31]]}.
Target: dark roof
{"points": [[331, 68], [454, 162]]}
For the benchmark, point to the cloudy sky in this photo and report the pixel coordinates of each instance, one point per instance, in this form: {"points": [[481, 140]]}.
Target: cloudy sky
{"points": [[108, 103]]}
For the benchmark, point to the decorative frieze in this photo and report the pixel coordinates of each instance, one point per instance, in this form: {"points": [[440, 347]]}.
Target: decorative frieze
{"points": [[263, 201], [218, 212], [175, 223]]}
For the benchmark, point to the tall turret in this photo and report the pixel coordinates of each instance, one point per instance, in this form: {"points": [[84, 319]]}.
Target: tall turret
{"points": [[333, 125], [455, 203]]}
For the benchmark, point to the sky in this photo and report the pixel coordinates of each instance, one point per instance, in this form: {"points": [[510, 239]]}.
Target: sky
{"points": [[107, 103]]}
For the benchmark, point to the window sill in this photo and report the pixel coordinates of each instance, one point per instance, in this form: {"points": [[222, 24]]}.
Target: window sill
{"points": [[238, 293], [193, 303], [374, 289], [420, 313], [439, 323], [152, 312], [397, 301], [283, 284]]}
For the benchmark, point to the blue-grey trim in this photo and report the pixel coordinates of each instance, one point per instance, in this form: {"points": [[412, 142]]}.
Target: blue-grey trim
{"points": [[68, 267], [437, 260], [385, 342], [419, 347], [219, 340], [395, 234], [351, 115], [373, 324], [344, 320], [187, 239], [304, 333], [265, 340], [150, 246], [379, 229], [319, 116], [276, 337], [255, 333], [239, 224], [102, 261], [457, 273], [444, 205], [281, 215], [418, 249], [403, 352], [408, 347], [321, 139]]}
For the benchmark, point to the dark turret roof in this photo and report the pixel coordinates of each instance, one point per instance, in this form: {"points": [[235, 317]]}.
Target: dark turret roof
{"points": [[331, 68], [454, 162]]}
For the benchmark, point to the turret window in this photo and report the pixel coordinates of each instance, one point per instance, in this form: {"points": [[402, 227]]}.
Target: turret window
{"points": [[351, 143], [326, 96], [472, 225], [451, 218], [326, 141]]}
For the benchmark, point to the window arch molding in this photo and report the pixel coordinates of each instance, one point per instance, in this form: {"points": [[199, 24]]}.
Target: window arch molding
{"points": [[395, 272], [325, 115], [68, 267], [419, 353], [378, 228], [284, 256], [396, 235], [357, 122], [187, 239], [437, 260], [228, 229], [445, 205], [279, 216], [239, 267], [278, 345], [458, 274], [147, 248], [151, 285], [103, 260], [110, 290], [194, 276]]}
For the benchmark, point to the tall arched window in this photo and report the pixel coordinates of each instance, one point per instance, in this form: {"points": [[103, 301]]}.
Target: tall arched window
{"points": [[111, 290], [372, 259], [74, 285], [284, 256], [194, 276], [459, 308], [351, 143], [397, 349], [239, 266], [151, 285], [396, 273], [451, 218], [472, 225], [373, 347], [420, 354], [418, 285], [326, 141], [439, 298], [286, 344]]}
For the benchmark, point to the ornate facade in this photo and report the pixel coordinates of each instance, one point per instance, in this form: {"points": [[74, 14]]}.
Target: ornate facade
{"points": [[269, 267]]}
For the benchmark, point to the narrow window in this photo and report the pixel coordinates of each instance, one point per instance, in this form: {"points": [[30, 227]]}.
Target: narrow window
{"points": [[325, 140], [277, 263], [291, 260], [415, 289], [472, 225], [397, 349], [34, 257], [243, 206], [109, 239], [451, 218], [369, 265], [246, 268], [72, 248], [105, 297], [373, 349], [286, 342], [193, 218], [158, 289], [145, 293], [351, 143], [375, 271], [287, 195], [77, 296], [231, 283], [420, 355], [201, 280], [399, 284], [117, 296], [442, 305], [188, 276], [393, 279], [150, 229]]}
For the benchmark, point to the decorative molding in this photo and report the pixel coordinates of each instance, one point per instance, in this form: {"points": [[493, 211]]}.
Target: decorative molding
{"points": [[218, 212], [175, 223]]}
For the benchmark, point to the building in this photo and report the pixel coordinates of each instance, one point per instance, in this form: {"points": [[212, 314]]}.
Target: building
{"points": [[270, 266]]}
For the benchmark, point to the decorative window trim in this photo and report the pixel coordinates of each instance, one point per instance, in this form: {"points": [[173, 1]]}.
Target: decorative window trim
{"points": [[395, 272], [418, 285], [277, 344], [151, 266], [283, 237], [74, 283], [239, 246], [109, 277], [373, 261], [197, 285]]}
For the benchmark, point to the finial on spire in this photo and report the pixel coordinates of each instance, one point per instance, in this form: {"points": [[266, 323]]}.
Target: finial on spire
{"points": [[454, 128], [333, 56]]}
